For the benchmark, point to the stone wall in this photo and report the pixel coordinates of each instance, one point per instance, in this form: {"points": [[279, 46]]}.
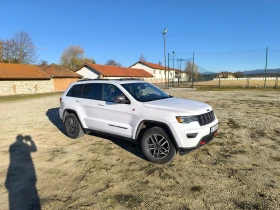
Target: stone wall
{"points": [[25, 86]]}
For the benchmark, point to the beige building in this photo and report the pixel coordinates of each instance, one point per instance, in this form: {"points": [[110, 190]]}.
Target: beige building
{"points": [[158, 71]]}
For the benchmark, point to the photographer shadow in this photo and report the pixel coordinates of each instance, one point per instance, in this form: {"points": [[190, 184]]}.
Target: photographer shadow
{"points": [[21, 175]]}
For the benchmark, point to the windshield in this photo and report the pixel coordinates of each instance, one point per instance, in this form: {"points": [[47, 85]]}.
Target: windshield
{"points": [[145, 91]]}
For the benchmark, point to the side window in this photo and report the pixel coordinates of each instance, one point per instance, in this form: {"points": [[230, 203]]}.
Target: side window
{"points": [[75, 91], [92, 91], [109, 92]]}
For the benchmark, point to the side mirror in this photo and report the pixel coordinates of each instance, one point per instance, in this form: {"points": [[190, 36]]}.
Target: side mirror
{"points": [[120, 99]]}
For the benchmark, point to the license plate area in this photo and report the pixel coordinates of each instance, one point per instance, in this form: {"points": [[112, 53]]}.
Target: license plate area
{"points": [[214, 128]]}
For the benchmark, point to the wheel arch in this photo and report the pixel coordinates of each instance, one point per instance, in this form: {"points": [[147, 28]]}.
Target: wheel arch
{"points": [[71, 111], [147, 124]]}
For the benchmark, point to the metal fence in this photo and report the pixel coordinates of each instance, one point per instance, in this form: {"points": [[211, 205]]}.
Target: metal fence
{"points": [[246, 68]]}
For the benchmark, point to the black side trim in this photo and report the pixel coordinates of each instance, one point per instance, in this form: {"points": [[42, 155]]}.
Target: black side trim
{"points": [[207, 139], [109, 134], [120, 127], [159, 123], [117, 126]]}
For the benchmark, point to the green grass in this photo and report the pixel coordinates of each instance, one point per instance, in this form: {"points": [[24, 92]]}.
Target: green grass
{"points": [[27, 96]]}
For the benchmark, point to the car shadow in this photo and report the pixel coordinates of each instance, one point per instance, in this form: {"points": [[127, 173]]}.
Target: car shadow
{"points": [[53, 115], [129, 146], [21, 176]]}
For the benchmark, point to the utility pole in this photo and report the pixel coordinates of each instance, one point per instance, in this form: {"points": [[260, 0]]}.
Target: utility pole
{"points": [[192, 69], [173, 74], [168, 71], [265, 67], [164, 33]]}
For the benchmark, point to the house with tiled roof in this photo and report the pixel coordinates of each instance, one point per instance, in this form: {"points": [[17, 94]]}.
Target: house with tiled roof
{"points": [[225, 74], [97, 71], [160, 73], [23, 79], [61, 76]]}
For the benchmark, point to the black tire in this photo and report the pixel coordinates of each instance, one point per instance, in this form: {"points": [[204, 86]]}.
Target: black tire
{"points": [[73, 127], [157, 146]]}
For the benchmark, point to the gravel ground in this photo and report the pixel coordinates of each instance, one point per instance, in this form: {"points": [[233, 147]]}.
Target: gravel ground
{"points": [[240, 169]]}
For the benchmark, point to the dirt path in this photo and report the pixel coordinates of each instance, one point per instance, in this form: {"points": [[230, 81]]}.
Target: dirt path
{"points": [[240, 169]]}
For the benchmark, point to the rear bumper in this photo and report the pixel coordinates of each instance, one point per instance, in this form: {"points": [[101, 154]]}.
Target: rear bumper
{"points": [[203, 141]]}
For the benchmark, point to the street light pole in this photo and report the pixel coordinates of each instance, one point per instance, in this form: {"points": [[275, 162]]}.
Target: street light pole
{"points": [[164, 33], [173, 74]]}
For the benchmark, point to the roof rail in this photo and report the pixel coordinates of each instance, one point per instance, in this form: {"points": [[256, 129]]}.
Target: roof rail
{"points": [[87, 79], [121, 79], [129, 79]]}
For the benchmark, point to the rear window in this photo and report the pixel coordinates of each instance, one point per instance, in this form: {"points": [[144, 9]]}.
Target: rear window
{"points": [[76, 91]]}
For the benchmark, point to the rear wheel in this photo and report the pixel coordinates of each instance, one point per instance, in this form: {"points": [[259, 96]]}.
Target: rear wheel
{"points": [[73, 127], [157, 146]]}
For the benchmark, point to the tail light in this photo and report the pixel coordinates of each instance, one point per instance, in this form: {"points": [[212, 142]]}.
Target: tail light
{"points": [[60, 100], [203, 142]]}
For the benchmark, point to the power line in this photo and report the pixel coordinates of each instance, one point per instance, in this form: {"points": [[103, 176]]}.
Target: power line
{"points": [[226, 51], [274, 49]]}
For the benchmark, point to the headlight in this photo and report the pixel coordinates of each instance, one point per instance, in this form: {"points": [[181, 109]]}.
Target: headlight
{"points": [[186, 119]]}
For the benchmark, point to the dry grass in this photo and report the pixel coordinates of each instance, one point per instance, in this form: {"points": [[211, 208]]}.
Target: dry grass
{"points": [[238, 170]]}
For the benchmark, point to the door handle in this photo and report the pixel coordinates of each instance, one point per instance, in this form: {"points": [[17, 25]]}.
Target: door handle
{"points": [[101, 104], [78, 101]]}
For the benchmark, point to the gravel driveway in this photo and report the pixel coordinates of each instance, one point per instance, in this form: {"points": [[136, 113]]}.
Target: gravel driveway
{"points": [[42, 168]]}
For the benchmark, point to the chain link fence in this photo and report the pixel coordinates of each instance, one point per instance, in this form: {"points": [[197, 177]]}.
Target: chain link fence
{"points": [[256, 68]]}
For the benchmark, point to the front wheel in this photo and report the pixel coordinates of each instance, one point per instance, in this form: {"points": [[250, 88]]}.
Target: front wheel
{"points": [[157, 146]]}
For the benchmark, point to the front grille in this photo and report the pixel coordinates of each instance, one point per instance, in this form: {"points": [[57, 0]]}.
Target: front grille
{"points": [[206, 118]]}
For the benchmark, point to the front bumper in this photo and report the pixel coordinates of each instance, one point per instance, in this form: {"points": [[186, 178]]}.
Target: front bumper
{"points": [[203, 141], [189, 135]]}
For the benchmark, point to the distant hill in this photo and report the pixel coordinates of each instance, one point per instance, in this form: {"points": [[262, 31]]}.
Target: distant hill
{"points": [[261, 71], [209, 72]]}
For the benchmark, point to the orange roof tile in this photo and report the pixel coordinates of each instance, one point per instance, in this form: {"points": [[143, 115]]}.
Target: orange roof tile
{"points": [[55, 71], [116, 71], [21, 72], [152, 65]]}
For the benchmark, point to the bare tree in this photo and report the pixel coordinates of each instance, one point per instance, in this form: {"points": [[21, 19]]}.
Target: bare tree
{"points": [[142, 58], [88, 60], [192, 69], [43, 63], [159, 63], [23, 48], [1, 51], [8, 52], [18, 49], [112, 62], [73, 57]]}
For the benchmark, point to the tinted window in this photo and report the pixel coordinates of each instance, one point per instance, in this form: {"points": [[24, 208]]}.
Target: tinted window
{"points": [[109, 92], [92, 91], [76, 91]]}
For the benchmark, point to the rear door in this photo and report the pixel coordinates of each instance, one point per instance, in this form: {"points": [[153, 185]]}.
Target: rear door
{"points": [[73, 98], [114, 118], [89, 102]]}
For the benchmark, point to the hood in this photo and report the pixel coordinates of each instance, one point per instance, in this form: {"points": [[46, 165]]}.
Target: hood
{"points": [[179, 105]]}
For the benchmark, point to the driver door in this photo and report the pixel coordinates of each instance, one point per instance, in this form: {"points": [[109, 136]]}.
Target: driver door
{"points": [[114, 118]]}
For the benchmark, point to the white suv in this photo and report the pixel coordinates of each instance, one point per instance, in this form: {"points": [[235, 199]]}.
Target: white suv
{"points": [[140, 112]]}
